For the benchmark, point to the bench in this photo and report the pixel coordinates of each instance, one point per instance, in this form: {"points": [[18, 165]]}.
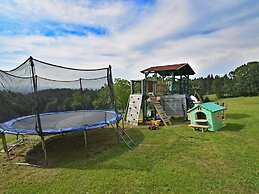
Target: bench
{"points": [[202, 127]]}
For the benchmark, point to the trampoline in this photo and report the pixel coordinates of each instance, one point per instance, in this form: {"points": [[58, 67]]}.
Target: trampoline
{"points": [[58, 100], [62, 122]]}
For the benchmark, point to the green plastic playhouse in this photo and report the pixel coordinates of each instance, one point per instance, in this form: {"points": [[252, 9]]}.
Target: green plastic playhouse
{"points": [[208, 116]]}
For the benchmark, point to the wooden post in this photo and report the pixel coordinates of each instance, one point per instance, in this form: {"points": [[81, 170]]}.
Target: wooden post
{"points": [[132, 87], [2, 135], [172, 83], [144, 99], [181, 85], [187, 84]]}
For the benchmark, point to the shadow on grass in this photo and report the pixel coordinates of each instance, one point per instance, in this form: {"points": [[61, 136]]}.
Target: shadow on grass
{"points": [[233, 127], [69, 150], [237, 116]]}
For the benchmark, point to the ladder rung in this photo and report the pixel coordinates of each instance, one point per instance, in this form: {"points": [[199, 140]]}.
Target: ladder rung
{"points": [[124, 136], [163, 114], [129, 142]]}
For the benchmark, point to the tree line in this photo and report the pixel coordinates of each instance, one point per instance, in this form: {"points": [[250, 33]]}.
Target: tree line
{"points": [[15, 105], [243, 81]]}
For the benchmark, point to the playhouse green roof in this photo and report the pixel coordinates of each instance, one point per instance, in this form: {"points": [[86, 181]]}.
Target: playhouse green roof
{"points": [[210, 106]]}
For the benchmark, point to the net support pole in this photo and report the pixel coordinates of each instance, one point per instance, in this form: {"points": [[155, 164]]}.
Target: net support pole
{"points": [[36, 103], [85, 138], [38, 127], [81, 86], [112, 96], [2, 135], [117, 133], [43, 144]]}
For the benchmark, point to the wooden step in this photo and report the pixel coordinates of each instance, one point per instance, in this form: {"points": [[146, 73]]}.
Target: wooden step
{"points": [[160, 111]]}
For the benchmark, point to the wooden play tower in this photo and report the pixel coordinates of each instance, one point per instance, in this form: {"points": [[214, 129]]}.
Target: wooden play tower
{"points": [[164, 88]]}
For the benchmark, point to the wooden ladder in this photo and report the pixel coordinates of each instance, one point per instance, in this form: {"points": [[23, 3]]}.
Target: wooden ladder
{"points": [[165, 118]]}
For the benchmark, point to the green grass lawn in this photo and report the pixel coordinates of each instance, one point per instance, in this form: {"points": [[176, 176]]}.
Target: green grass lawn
{"points": [[212, 97], [169, 160]]}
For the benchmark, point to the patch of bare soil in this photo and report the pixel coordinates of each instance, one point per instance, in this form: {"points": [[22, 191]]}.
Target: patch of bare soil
{"points": [[64, 147]]}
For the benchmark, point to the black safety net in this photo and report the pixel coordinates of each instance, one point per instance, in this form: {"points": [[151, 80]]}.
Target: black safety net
{"points": [[42, 96]]}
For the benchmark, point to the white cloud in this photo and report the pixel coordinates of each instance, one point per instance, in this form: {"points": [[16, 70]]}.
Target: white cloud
{"points": [[166, 33]]}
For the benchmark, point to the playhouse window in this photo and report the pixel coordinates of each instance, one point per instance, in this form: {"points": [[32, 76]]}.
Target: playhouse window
{"points": [[218, 118], [200, 115]]}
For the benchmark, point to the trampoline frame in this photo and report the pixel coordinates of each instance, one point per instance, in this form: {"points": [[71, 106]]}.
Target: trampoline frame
{"points": [[8, 129]]}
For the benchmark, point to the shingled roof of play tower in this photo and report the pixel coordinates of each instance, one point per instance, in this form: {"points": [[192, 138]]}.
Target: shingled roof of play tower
{"points": [[167, 70]]}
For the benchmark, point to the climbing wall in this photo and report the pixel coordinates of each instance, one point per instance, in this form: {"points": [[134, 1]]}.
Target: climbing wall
{"points": [[134, 109]]}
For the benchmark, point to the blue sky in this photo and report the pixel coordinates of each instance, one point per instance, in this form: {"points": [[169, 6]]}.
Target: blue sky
{"points": [[214, 37]]}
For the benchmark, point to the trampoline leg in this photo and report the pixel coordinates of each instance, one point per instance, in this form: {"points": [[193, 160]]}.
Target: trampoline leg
{"points": [[5, 145], [115, 129], [85, 136], [118, 137], [44, 150]]}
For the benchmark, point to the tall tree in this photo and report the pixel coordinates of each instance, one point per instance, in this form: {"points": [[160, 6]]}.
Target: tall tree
{"points": [[245, 81], [122, 92], [102, 99], [217, 86]]}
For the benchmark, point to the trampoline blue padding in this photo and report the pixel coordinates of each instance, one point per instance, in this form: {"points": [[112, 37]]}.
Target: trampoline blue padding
{"points": [[61, 122]]}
